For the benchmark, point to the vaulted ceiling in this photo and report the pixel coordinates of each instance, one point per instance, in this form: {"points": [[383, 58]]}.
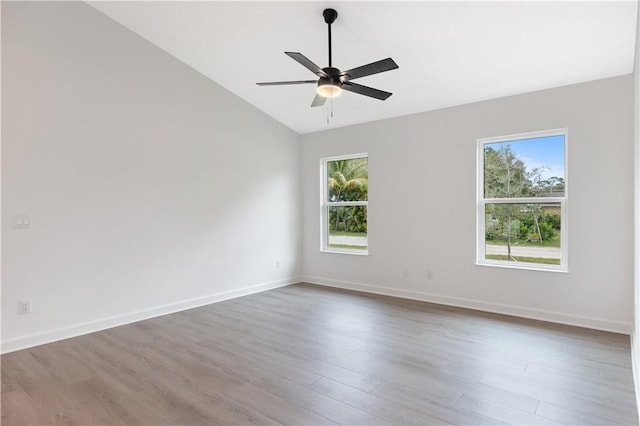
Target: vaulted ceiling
{"points": [[449, 53]]}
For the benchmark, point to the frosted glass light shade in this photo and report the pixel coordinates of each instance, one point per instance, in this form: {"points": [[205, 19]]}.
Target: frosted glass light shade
{"points": [[329, 90]]}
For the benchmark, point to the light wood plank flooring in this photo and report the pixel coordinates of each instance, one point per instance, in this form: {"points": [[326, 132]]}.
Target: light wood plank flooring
{"points": [[305, 354]]}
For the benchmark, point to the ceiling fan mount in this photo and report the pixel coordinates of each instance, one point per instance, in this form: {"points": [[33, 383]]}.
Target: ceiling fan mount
{"points": [[331, 81], [330, 16]]}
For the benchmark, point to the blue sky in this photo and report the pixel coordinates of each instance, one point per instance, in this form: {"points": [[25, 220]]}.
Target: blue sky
{"points": [[546, 152]]}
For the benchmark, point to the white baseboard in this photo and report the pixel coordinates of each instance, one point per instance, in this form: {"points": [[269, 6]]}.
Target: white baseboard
{"points": [[23, 342], [518, 311]]}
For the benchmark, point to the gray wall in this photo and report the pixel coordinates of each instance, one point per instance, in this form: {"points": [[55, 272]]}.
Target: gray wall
{"points": [[150, 188], [422, 208]]}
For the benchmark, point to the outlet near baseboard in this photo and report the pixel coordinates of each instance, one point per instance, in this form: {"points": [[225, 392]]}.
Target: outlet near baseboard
{"points": [[24, 306]]}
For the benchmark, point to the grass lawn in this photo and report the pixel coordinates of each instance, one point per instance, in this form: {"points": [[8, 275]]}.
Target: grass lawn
{"points": [[347, 234], [546, 261], [550, 243], [347, 246]]}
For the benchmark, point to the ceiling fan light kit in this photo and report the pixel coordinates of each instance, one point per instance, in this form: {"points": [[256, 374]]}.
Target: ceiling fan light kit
{"points": [[331, 81], [328, 90]]}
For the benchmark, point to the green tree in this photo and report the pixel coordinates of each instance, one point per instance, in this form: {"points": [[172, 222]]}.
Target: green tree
{"points": [[506, 176], [549, 186], [348, 180], [552, 184]]}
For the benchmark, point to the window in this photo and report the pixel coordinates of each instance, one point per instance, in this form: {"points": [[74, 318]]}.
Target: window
{"points": [[522, 201], [345, 194]]}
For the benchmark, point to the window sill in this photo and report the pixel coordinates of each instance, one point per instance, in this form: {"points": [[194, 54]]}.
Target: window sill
{"points": [[526, 267], [346, 251]]}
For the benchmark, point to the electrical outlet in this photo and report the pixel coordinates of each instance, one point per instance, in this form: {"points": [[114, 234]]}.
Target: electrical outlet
{"points": [[277, 263], [405, 271], [24, 307], [23, 221], [429, 274]]}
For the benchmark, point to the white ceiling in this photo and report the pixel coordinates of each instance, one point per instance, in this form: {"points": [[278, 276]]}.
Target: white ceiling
{"points": [[449, 53]]}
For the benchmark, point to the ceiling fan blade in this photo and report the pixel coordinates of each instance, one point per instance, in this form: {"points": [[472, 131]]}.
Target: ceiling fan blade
{"points": [[318, 100], [369, 69], [306, 62], [364, 90], [282, 83]]}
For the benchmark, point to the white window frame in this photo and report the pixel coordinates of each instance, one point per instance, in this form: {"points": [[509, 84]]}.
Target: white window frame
{"points": [[324, 206], [482, 202]]}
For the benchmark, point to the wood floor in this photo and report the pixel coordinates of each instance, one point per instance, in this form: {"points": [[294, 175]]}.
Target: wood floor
{"points": [[305, 354]]}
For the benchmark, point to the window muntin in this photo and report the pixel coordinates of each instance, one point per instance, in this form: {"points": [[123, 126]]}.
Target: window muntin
{"points": [[345, 194], [522, 201]]}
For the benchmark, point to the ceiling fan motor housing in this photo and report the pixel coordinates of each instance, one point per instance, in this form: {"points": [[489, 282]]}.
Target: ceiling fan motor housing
{"points": [[333, 77]]}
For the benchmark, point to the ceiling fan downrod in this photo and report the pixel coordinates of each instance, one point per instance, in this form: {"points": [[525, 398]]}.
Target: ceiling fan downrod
{"points": [[330, 16]]}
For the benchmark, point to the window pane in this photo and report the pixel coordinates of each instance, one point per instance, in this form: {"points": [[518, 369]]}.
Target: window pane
{"points": [[523, 233], [347, 180], [348, 227], [525, 168]]}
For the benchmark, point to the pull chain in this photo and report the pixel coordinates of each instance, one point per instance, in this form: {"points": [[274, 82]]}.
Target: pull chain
{"points": [[330, 110]]}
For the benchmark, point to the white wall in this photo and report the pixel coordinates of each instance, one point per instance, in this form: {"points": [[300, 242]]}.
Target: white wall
{"points": [[422, 208], [150, 187], [635, 342]]}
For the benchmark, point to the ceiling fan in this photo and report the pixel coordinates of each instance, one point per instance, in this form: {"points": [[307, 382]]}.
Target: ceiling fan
{"points": [[331, 80]]}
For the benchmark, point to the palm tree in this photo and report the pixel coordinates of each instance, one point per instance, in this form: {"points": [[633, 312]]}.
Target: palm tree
{"points": [[347, 181]]}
